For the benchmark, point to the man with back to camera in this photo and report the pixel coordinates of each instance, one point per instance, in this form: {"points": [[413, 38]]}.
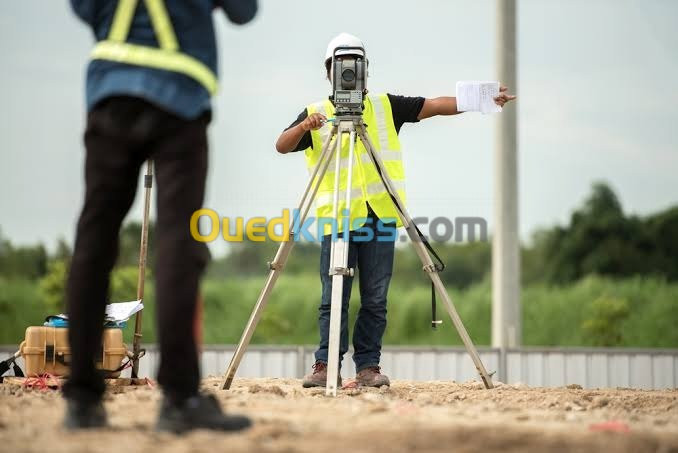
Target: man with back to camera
{"points": [[149, 84], [371, 246]]}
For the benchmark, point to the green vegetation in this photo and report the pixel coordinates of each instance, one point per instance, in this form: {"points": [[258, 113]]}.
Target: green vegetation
{"points": [[595, 311], [605, 279], [601, 240]]}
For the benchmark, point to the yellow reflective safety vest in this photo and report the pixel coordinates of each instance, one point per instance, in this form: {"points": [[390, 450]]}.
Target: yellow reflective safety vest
{"points": [[366, 183], [167, 57]]}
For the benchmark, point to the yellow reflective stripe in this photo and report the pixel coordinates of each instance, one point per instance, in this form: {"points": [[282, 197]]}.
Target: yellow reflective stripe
{"points": [[376, 188], [327, 199], [164, 32], [343, 165], [122, 20], [386, 155], [380, 119], [159, 59]]}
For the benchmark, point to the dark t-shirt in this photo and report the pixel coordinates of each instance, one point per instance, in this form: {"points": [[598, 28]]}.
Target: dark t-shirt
{"points": [[405, 110]]}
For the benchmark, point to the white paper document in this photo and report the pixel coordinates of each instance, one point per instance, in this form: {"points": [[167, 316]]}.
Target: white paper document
{"points": [[122, 311], [474, 96]]}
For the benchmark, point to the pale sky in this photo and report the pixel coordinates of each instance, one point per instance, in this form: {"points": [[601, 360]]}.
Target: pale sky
{"points": [[597, 101]]}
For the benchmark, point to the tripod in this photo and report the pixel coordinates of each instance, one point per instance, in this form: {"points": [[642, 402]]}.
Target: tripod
{"points": [[354, 126]]}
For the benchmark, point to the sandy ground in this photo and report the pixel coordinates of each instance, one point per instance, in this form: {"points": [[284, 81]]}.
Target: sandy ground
{"points": [[409, 416]]}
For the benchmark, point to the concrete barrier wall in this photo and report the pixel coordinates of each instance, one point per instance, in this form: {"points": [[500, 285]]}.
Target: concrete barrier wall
{"points": [[537, 367]]}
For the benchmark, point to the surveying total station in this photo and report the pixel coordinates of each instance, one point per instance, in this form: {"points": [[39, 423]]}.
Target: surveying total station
{"points": [[348, 75]]}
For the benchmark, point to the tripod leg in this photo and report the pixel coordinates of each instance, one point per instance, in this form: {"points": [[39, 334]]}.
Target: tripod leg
{"points": [[276, 268], [335, 331], [141, 279], [425, 258], [279, 261], [339, 264]]}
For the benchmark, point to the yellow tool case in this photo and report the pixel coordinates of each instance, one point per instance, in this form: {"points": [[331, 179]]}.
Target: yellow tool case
{"points": [[45, 350]]}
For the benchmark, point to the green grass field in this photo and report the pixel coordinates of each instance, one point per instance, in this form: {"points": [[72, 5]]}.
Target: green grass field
{"points": [[633, 312]]}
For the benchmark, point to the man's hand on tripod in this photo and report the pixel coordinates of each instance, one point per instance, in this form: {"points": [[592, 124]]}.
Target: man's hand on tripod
{"points": [[313, 122], [290, 138]]}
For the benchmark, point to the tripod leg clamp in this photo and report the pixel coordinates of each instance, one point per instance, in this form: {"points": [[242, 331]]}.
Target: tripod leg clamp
{"points": [[272, 265], [345, 271], [431, 268], [136, 355]]}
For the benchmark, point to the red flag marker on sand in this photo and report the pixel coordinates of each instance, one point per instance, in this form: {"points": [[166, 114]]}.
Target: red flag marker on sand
{"points": [[612, 425]]}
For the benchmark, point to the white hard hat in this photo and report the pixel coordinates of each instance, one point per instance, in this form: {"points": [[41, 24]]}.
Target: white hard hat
{"points": [[344, 40]]}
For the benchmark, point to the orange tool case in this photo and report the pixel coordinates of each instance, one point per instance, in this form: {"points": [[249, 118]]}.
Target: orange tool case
{"points": [[45, 350]]}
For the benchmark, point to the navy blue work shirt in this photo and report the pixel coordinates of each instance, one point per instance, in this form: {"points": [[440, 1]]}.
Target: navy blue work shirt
{"points": [[171, 91]]}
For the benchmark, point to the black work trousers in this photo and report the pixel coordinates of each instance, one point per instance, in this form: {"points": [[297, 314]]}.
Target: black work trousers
{"points": [[122, 133]]}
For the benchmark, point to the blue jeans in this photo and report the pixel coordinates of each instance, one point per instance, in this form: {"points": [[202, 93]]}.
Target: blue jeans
{"points": [[373, 260]]}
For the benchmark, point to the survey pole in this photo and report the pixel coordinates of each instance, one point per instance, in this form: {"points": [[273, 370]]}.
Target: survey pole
{"points": [[141, 278], [506, 313]]}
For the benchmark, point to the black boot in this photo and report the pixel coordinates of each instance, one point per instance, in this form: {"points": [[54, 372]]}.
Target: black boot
{"points": [[197, 412], [82, 414]]}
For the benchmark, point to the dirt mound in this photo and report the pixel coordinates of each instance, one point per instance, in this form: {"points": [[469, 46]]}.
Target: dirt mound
{"points": [[408, 416]]}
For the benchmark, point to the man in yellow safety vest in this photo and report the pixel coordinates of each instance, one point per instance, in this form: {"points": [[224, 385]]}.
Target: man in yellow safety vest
{"points": [[149, 84], [373, 216]]}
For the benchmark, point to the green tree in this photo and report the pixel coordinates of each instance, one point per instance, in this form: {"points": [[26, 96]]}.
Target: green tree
{"points": [[661, 242], [601, 240]]}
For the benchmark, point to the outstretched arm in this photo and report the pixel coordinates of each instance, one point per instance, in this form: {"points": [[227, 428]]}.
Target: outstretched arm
{"points": [[448, 105]]}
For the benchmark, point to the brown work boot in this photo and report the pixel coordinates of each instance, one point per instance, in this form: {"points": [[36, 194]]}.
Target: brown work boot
{"points": [[372, 377], [319, 376]]}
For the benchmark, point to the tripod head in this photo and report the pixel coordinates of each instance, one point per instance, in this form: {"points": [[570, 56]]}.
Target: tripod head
{"points": [[348, 74]]}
